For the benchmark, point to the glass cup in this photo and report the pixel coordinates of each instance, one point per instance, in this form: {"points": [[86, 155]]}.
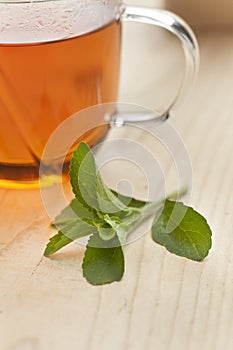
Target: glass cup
{"points": [[58, 57]]}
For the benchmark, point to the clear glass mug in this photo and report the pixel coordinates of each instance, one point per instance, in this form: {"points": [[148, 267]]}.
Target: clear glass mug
{"points": [[58, 57]]}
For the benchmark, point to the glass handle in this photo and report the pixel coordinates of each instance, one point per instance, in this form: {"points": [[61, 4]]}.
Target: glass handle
{"points": [[182, 31]]}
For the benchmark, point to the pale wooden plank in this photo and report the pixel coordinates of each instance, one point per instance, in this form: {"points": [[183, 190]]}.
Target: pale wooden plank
{"points": [[28, 207]]}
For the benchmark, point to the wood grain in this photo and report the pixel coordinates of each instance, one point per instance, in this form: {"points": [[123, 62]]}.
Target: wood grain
{"points": [[164, 302]]}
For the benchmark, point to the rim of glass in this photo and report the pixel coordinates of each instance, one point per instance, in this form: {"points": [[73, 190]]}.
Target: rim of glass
{"points": [[15, 2]]}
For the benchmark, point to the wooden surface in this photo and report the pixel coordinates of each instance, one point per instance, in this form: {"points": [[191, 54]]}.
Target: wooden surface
{"points": [[164, 302]]}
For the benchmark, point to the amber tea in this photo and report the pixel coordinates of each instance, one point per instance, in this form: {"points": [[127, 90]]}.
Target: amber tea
{"points": [[43, 83]]}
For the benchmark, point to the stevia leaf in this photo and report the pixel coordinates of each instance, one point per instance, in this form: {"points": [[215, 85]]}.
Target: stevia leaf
{"points": [[88, 185], [73, 211], [182, 231], [103, 261], [70, 232], [79, 155], [56, 243]]}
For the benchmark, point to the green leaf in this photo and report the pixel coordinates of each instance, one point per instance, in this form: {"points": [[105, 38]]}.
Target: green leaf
{"points": [[103, 261], [56, 243], [75, 164], [88, 185], [183, 231], [73, 211], [73, 230]]}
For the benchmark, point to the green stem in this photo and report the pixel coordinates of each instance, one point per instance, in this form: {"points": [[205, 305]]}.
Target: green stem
{"points": [[149, 208], [153, 205]]}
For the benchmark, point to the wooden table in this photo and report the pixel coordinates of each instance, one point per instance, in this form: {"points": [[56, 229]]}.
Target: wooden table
{"points": [[163, 302]]}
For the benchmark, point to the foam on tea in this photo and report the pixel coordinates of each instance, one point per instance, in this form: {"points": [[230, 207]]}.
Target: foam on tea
{"points": [[28, 22]]}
